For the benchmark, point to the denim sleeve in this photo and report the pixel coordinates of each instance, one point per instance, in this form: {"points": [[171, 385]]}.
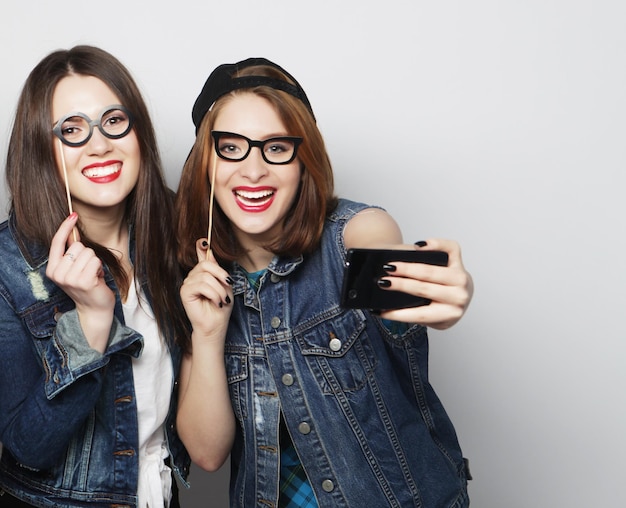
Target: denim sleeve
{"points": [[68, 356], [49, 386]]}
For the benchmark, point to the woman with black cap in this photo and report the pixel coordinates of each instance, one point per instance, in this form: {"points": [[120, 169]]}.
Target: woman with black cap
{"points": [[332, 405]]}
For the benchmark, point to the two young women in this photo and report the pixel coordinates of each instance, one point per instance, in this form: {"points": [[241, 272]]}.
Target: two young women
{"points": [[322, 406], [317, 405]]}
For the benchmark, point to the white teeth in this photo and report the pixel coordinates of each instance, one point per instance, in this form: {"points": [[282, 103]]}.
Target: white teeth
{"points": [[100, 172], [254, 195]]}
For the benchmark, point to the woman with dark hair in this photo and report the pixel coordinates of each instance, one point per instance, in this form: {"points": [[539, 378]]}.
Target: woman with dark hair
{"points": [[329, 406], [90, 314]]}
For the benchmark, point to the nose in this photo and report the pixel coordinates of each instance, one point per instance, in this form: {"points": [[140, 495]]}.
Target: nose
{"points": [[98, 143], [254, 166]]}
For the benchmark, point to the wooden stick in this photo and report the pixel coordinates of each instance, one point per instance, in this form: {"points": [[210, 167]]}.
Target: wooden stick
{"points": [[67, 186], [211, 199]]}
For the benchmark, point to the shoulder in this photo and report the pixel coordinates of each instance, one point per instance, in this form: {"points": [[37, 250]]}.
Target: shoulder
{"points": [[7, 238], [346, 210], [15, 246], [4, 226], [372, 227], [353, 224]]}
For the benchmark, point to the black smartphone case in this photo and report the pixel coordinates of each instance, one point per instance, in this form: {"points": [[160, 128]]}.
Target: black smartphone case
{"points": [[365, 266]]}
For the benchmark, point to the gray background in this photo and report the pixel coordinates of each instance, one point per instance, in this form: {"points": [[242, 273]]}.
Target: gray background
{"points": [[499, 124]]}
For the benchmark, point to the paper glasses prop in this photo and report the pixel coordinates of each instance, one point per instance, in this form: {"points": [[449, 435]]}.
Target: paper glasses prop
{"points": [[75, 129]]}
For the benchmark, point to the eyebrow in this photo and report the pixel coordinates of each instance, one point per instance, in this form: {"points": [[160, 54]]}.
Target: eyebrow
{"points": [[72, 114], [269, 136]]}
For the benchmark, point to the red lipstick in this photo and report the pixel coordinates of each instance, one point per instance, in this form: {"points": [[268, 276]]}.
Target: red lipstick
{"points": [[254, 199], [103, 172]]}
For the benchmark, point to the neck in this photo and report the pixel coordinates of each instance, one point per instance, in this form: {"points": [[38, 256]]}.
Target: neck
{"points": [[108, 228], [105, 226], [255, 260], [256, 257]]}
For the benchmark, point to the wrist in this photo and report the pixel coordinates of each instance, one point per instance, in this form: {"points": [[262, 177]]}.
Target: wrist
{"points": [[96, 327]]}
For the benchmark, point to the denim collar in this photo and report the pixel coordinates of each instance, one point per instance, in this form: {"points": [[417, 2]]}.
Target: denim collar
{"points": [[279, 266], [35, 254]]}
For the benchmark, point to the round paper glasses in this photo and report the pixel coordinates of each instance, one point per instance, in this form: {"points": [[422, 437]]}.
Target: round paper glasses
{"points": [[75, 129]]}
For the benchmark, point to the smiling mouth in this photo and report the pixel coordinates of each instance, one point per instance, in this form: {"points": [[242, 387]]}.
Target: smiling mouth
{"points": [[102, 171], [254, 200]]}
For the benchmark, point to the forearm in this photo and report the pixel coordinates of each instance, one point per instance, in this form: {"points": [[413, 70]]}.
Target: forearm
{"points": [[205, 420], [37, 430], [49, 386]]}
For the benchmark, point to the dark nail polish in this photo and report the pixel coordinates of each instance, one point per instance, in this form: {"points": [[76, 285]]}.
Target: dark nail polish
{"points": [[221, 305], [229, 281], [421, 243], [383, 283], [205, 243], [389, 268], [227, 299]]}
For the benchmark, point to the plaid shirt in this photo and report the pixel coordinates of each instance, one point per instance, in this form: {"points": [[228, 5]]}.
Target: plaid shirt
{"points": [[295, 488]]}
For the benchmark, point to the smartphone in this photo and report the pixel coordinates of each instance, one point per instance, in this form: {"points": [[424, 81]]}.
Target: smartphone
{"points": [[365, 266]]}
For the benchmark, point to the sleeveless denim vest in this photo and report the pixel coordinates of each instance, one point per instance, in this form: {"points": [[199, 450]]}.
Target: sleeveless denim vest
{"points": [[367, 425]]}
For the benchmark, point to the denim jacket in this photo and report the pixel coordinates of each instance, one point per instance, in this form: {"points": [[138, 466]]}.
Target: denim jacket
{"points": [[366, 423], [68, 417]]}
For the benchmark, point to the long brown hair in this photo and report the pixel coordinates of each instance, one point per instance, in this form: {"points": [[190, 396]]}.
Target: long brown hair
{"points": [[304, 223], [37, 195]]}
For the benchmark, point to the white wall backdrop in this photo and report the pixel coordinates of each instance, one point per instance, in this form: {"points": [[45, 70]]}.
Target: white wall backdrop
{"points": [[499, 124]]}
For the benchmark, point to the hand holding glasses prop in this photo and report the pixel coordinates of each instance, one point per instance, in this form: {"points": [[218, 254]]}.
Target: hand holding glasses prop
{"points": [[76, 129], [235, 148]]}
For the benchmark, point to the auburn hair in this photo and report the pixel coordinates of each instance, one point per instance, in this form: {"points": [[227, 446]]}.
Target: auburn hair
{"points": [[315, 199]]}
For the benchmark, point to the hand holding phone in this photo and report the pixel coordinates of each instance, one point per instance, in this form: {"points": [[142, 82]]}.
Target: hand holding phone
{"points": [[364, 267]]}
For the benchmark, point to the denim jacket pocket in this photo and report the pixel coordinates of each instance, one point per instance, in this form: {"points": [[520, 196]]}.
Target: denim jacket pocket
{"points": [[338, 350], [42, 317]]}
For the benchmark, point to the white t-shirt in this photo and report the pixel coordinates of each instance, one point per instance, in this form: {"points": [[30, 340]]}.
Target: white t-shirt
{"points": [[153, 377]]}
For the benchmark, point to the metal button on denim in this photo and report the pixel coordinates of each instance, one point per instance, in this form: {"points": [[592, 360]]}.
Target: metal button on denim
{"points": [[275, 278], [328, 485], [275, 322], [304, 428], [287, 379], [334, 344]]}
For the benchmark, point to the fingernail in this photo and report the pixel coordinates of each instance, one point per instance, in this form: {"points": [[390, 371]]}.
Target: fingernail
{"points": [[205, 243], [389, 268], [421, 243], [383, 283], [72, 215], [229, 281], [221, 305], [227, 299]]}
